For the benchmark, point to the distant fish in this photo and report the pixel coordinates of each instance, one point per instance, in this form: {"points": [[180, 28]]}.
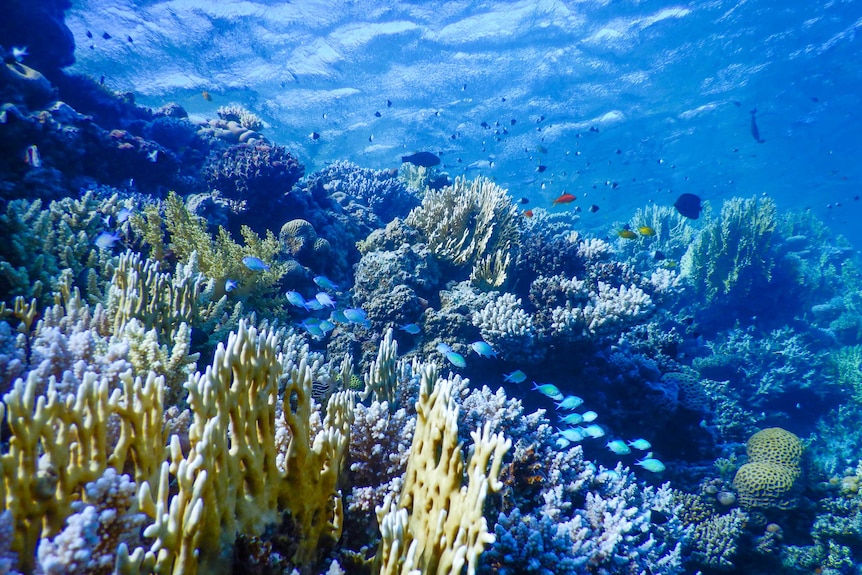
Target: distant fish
{"points": [[89, 34], [594, 208], [153, 156], [564, 199], [356, 315], [255, 264], [206, 96], [377, 114], [646, 231], [651, 464], [523, 201], [483, 348], [480, 165], [570, 402], [573, 418], [456, 359], [443, 347], [230, 285], [32, 156], [516, 376], [388, 103], [106, 240], [755, 131], [423, 159], [627, 234], [618, 446], [548, 390], [324, 282], [410, 328], [658, 255], [541, 168], [123, 215], [295, 299], [106, 36], [314, 136], [542, 149], [688, 205], [640, 444], [528, 213], [18, 54], [129, 38], [325, 299]]}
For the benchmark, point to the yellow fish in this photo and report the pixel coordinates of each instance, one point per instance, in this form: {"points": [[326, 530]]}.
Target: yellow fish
{"points": [[646, 231], [627, 234]]}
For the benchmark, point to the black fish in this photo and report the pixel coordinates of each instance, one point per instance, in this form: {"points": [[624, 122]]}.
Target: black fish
{"points": [[523, 201], [89, 34], [106, 36], [754, 131], [540, 168], [658, 256], [513, 121], [377, 114], [388, 103], [424, 159], [129, 38], [594, 208], [688, 205], [314, 136]]}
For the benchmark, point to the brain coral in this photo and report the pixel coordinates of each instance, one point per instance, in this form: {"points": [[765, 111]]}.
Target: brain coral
{"points": [[775, 445], [769, 479]]}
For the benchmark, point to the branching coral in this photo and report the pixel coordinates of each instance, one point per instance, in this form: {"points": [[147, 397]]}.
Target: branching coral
{"points": [[466, 225], [437, 525]]}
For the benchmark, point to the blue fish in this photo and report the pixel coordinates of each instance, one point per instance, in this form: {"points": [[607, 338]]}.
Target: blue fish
{"points": [[483, 348], [652, 464], [324, 282], [570, 402], [313, 304], [123, 215], [410, 328], [255, 264], [230, 285], [516, 376], [106, 240], [338, 316], [326, 325], [456, 358], [296, 299], [355, 315], [443, 348], [325, 300], [548, 390]]}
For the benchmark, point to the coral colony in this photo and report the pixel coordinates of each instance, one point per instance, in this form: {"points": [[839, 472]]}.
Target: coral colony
{"points": [[213, 362]]}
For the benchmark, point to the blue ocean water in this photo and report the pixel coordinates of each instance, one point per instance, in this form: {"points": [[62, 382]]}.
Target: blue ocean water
{"points": [[669, 86], [653, 258]]}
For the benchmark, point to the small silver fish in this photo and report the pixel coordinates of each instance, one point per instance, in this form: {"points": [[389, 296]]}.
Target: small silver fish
{"points": [[106, 240], [153, 156], [18, 53]]}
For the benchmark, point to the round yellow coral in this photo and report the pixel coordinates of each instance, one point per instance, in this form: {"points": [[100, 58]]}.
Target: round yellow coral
{"points": [[775, 445], [764, 485]]}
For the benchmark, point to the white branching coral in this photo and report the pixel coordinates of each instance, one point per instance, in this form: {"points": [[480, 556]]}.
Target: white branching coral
{"points": [[509, 329]]}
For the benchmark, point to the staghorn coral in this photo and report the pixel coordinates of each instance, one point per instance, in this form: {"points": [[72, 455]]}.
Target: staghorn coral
{"points": [[464, 225]]}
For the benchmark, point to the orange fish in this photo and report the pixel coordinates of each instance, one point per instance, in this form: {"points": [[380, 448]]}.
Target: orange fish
{"points": [[528, 213], [207, 96], [565, 199]]}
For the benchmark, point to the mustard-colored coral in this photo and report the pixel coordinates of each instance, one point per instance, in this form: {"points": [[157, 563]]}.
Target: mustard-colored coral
{"points": [[775, 445], [770, 478], [437, 526]]}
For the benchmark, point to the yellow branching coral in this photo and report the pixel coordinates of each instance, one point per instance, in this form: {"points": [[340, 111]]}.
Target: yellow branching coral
{"points": [[381, 380], [437, 526], [470, 225]]}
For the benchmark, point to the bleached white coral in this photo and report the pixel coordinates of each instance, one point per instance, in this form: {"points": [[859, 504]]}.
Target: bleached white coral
{"points": [[594, 249], [664, 280], [509, 329]]}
